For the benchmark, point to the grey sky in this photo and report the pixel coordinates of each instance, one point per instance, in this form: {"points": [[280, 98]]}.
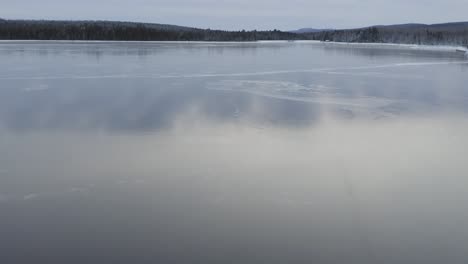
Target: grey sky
{"points": [[244, 14]]}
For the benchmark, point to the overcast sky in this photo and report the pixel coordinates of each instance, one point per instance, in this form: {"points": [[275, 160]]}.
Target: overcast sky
{"points": [[244, 14]]}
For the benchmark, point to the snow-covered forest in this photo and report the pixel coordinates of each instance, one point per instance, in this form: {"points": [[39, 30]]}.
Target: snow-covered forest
{"points": [[438, 34]]}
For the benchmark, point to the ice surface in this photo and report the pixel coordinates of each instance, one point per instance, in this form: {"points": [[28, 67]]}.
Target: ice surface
{"points": [[178, 152], [318, 93]]}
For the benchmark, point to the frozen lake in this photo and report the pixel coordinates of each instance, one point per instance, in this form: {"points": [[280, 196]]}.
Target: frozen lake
{"points": [[273, 152]]}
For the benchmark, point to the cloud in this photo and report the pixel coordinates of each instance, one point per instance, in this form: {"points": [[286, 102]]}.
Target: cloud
{"points": [[30, 196]]}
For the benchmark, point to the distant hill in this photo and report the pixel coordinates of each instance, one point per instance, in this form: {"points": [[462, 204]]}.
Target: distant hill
{"points": [[401, 26], [308, 30], [445, 26], [102, 23], [455, 33]]}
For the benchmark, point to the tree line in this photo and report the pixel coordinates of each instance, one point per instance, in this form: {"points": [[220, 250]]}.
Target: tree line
{"points": [[441, 34], [120, 31]]}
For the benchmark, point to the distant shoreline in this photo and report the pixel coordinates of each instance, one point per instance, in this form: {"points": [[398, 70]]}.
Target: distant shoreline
{"points": [[446, 48], [448, 34]]}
